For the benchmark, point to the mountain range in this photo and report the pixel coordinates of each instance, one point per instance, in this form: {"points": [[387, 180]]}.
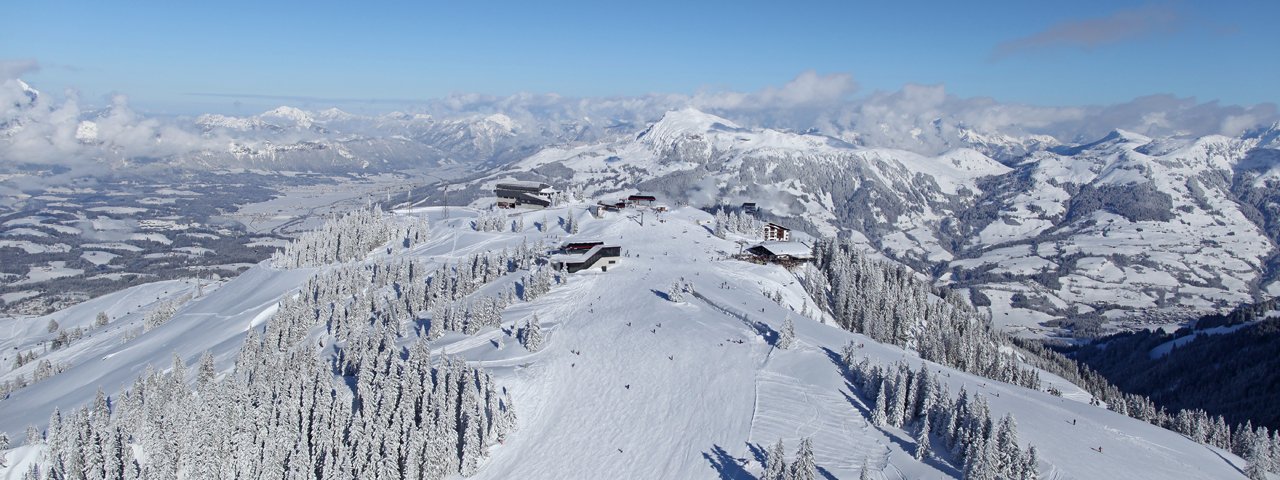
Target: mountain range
{"points": [[1052, 234], [1126, 230]]}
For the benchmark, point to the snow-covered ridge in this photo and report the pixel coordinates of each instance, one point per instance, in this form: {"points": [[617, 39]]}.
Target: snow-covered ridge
{"points": [[1037, 237], [679, 389]]}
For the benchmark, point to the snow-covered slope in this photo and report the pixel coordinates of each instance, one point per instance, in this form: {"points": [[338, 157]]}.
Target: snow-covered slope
{"points": [[892, 196], [332, 139], [1127, 230], [113, 356], [632, 384], [1125, 227]]}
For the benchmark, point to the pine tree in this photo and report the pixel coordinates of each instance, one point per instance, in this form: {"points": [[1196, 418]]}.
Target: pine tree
{"points": [[1258, 455], [4, 445], [804, 467], [206, 371], [775, 464], [865, 473], [102, 319], [977, 460], [1275, 451], [787, 336], [1030, 464], [1008, 454], [923, 444], [878, 416], [531, 335], [676, 292]]}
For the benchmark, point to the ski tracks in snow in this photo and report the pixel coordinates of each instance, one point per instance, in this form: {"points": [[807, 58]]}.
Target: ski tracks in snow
{"points": [[789, 410]]}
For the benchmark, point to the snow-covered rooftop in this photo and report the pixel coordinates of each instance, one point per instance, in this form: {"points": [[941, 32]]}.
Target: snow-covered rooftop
{"points": [[793, 249], [522, 184]]}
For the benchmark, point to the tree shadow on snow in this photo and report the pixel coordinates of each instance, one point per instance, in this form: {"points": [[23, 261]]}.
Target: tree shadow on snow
{"points": [[726, 465], [906, 444], [662, 295], [422, 326], [1215, 452], [757, 451], [764, 330], [837, 360], [827, 474], [857, 403]]}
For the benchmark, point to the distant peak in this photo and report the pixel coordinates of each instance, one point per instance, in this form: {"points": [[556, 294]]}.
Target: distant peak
{"points": [[1127, 136], [285, 111], [334, 114], [1268, 137], [31, 93], [503, 121], [677, 123], [296, 115], [690, 117]]}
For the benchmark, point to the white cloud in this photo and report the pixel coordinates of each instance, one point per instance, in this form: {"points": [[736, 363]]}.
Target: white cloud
{"points": [[922, 118], [807, 90], [12, 69]]}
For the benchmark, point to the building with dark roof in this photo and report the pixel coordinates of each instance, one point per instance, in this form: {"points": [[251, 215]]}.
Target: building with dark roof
{"points": [[517, 193], [600, 255], [645, 200], [782, 252]]}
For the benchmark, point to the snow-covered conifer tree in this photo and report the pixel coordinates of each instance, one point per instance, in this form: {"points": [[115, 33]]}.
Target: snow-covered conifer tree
{"points": [[1008, 454], [206, 372], [878, 415], [787, 336], [676, 292], [4, 445], [923, 444], [721, 224], [804, 467], [1258, 456], [531, 335], [1030, 464], [775, 464]]}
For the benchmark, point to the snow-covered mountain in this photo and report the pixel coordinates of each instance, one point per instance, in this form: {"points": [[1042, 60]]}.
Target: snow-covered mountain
{"points": [[1125, 228], [672, 363], [290, 138], [21, 97]]}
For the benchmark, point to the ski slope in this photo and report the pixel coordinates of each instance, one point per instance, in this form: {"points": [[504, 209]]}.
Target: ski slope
{"points": [[631, 384], [701, 405]]}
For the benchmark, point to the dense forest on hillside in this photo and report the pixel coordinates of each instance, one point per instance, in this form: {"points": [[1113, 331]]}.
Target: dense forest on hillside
{"points": [[1227, 365]]}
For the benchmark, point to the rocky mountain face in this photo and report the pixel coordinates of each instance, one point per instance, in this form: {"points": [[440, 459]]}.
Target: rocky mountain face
{"points": [[1123, 231]]}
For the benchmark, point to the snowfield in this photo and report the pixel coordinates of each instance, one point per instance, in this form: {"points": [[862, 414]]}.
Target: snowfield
{"points": [[1183, 222], [629, 384]]}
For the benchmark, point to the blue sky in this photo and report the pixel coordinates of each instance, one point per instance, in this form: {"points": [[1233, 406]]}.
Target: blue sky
{"points": [[1082, 52]]}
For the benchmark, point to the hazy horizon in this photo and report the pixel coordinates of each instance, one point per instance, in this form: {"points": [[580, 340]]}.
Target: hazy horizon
{"points": [[241, 58]]}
